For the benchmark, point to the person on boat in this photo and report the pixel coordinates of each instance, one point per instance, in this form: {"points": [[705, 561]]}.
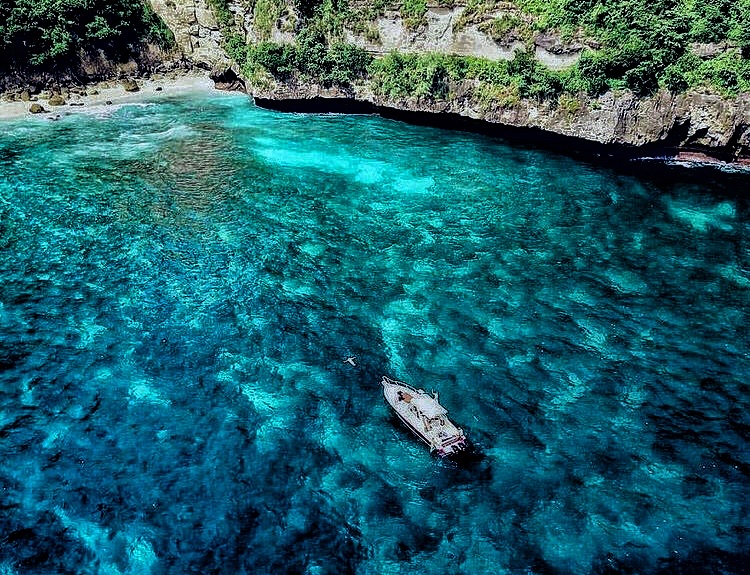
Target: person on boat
{"points": [[404, 397]]}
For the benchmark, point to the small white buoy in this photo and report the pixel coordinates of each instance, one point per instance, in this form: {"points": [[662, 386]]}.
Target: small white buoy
{"points": [[350, 361]]}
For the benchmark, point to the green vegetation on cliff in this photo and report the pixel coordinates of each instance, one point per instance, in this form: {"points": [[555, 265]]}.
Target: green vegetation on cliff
{"points": [[337, 64], [647, 44], [319, 54], [432, 75], [638, 45], [53, 34]]}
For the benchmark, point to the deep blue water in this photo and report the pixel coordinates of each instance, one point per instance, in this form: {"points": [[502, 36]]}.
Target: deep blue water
{"points": [[181, 281]]}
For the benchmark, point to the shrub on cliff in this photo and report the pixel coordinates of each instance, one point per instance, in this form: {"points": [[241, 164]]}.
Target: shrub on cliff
{"points": [[729, 72], [345, 63], [403, 75], [279, 60], [50, 34], [414, 13], [646, 44], [431, 76], [739, 30], [339, 64], [589, 75], [223, 15], [533, 78]]}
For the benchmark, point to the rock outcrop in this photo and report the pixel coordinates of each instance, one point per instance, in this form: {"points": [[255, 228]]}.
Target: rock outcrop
{"points": [[446, 31], [226, 78], [56, 100], [130, 85], [196, 31]]}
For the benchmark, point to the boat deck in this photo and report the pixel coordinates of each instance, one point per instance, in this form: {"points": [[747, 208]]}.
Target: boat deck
{"points": [[424, 416]]}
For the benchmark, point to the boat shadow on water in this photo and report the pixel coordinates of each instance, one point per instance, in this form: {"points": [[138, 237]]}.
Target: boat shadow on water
{"points": [[468, 466], [471, 459]]}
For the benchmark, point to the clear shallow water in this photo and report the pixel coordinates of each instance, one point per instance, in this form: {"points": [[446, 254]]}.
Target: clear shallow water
{"points": [[179, 284]]}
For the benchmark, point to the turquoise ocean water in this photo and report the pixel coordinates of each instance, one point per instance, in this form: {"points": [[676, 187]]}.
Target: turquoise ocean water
{"points": [[180, 282]]}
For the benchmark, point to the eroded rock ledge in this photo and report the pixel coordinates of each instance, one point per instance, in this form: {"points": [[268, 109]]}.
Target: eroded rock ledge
{"points": [[699, 127]]}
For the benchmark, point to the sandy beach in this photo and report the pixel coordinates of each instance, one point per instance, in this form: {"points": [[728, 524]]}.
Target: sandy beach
{"points": [[109, 93]]}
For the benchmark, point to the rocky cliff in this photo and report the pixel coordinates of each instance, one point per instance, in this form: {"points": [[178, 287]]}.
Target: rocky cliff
{"points": [[697, 125], [195, 28]]}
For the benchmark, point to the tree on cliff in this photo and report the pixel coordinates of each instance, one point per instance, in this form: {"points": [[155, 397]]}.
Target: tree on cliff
{"points": [[52, 34]]}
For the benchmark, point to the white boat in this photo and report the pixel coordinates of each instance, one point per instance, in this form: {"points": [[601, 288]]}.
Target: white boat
{"points": [[423, 414]]}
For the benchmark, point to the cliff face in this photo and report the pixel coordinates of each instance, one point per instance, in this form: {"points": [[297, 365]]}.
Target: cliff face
{"points": [[196, 31], [690, 126], [697, 125]]}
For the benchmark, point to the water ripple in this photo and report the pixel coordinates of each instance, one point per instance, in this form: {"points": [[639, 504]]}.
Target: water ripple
{"points": [[179, 285]]}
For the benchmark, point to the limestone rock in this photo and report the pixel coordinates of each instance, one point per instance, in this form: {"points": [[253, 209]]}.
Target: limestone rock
{"points": [[708, 49], [130, 85], [205, 18], [36, 109], [25, 96], [554, 44], [196, 31], [56, 100]]}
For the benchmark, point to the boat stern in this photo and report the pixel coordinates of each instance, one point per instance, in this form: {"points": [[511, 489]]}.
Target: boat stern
{"points": [[452, 446]]}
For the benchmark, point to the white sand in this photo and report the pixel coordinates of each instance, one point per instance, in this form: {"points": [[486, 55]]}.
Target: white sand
{"points": [[113, 92]]}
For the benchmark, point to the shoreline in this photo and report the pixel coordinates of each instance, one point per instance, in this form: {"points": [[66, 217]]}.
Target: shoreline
{"points": [[100, 95], [107, 93]]}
